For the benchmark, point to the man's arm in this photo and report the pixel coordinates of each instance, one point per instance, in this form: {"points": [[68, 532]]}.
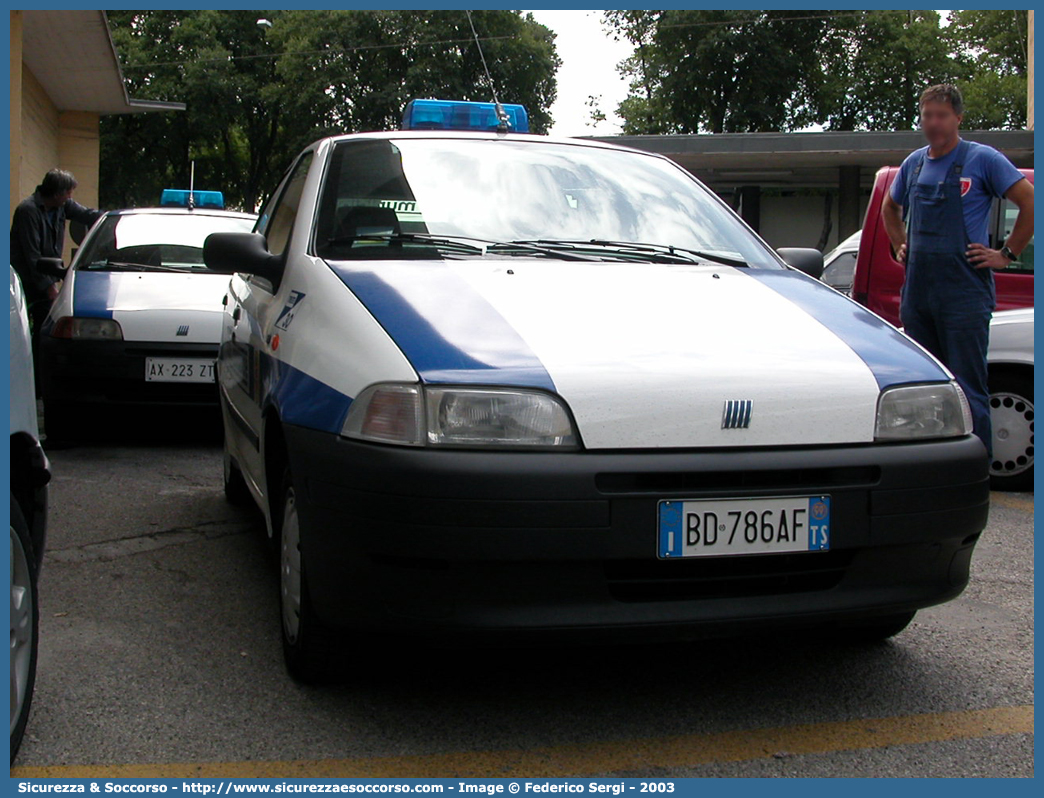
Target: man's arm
{"points": [[892, 216], [80, 213], [1021, 194]]}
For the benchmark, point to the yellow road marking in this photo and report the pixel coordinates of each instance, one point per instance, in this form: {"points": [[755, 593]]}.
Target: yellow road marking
{"points": [[1013, 502], [586, 759]]}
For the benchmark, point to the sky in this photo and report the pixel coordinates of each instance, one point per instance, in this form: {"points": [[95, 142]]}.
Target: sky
{"points": [[589, 58]]}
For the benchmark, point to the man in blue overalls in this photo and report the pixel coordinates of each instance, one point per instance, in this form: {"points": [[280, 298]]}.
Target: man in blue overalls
{"points": [[945, 192]]}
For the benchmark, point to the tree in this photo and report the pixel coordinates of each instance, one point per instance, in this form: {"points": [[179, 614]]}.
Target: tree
{"points": [[368, 64], [255, 96], [990, 49], [720, 71], [877, 63], [216, 62], [643, 110], [732, 71]]}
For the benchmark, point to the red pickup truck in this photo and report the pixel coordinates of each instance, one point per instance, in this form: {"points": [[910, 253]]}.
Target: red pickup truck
{"points": [[879, 276]]}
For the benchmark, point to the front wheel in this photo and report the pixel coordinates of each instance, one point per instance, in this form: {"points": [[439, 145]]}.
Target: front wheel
{"points": [[1011, 415], [25, 625], [311, 650]]}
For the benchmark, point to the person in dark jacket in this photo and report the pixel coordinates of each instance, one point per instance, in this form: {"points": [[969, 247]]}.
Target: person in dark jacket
{"points": [[38, 231]]}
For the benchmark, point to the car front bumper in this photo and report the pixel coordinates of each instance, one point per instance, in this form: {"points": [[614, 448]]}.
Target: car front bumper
{"points": [[113, 373], [443, 542]]}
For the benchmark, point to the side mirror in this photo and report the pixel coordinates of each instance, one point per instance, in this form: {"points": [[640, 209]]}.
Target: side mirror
{"points": [[243, 253], [52, 267], [809, 261]]}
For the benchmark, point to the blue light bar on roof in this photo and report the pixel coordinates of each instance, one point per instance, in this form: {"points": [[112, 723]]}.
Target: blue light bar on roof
{"points": [[179, 198], [460, 115]]}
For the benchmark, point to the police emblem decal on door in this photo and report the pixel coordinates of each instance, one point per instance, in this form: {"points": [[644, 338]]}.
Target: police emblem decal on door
{"points": [[286, 315]]}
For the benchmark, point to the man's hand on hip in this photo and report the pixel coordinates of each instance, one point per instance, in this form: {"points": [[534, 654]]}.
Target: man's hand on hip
{"points": [[982, 257]]}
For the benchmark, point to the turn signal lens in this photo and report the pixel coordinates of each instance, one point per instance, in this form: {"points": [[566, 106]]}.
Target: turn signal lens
{"points": [[389, 413]]}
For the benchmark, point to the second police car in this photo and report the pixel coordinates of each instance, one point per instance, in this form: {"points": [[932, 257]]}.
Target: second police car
{"points": [[484, 382], [138, 319]]}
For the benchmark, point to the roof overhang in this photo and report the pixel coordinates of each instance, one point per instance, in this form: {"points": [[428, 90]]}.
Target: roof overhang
{"points": [[808, 160], [72, 55]]}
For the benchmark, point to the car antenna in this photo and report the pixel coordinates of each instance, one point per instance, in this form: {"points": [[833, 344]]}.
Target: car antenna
{"points": [[503, 120], [192, 185]]}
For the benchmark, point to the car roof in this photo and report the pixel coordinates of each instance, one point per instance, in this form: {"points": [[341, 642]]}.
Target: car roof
{"points": [[169, 211], [851, 242], [531, 138]]}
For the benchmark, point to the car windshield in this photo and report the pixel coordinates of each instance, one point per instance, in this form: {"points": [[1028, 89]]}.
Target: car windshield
{"points": [[155, 241], [557, 199]]}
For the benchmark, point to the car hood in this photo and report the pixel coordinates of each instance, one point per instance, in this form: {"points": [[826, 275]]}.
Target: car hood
{"points": [[648, 355], [153, 306]]}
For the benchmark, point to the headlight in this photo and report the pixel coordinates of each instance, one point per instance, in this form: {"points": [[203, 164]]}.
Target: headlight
{"points": [[412, 415], [472, 416], [87, 329], [910, 412]]}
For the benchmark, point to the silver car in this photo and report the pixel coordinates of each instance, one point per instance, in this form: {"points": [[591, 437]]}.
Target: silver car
{"points": [[1011, 399], [839, 264]]}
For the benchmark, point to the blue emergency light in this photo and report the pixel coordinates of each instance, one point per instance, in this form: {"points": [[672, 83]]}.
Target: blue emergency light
{"points": [[179, 198], [460, 115]]}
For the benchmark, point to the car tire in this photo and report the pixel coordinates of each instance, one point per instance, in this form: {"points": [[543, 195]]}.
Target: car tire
{"points": [[311, 650], [236, 491], [1011, 414], [873, 630], [25, 625]]}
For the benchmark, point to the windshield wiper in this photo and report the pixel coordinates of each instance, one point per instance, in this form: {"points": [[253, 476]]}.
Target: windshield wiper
{"points": [[459, 244], [657, 253], [411, 238], [127, 266]]}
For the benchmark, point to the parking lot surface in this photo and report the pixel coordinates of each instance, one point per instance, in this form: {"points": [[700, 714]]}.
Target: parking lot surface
{"points": [[160, 657]]}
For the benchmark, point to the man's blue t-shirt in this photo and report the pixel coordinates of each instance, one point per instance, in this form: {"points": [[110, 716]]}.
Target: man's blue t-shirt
{"points": [[986, 172]]}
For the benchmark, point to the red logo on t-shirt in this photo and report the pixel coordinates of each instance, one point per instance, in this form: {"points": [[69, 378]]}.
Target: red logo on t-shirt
{"points": [[965, 185]]}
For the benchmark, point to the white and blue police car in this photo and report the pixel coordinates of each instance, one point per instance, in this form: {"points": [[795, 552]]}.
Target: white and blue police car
{"points": [[138, 319], [481, 383]]}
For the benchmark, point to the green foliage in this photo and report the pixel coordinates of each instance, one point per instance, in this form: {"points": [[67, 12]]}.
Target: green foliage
{"points": [[256, 96], [877, 64], [595, 114], [990, 50], [732, 71], [756, 69]]}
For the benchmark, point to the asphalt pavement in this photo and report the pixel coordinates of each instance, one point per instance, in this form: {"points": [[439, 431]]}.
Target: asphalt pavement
{"points": [[160, 655]]}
